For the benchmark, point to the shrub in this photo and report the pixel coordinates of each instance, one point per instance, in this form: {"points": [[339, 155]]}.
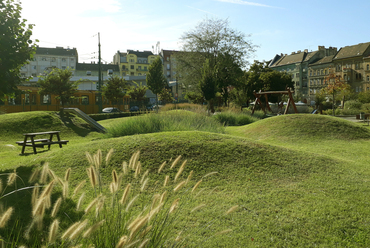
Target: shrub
{"points": [[352, 104], [234, 119], [139, 213]]}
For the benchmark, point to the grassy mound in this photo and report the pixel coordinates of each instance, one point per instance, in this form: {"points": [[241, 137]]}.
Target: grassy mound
{"points": [[303, 127], [40, 121]]}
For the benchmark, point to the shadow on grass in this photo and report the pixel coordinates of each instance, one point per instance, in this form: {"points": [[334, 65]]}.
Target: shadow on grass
{"points": [[14, 232], [83, 130]]}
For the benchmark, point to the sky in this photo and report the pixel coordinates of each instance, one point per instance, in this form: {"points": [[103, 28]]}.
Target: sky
{"points": [[274, 26]]}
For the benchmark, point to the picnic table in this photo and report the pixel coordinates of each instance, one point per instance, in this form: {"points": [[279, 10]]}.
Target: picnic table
{"points": [[29, 140]]}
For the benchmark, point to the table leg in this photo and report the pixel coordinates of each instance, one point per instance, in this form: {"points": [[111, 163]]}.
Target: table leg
{"points": [[50, 139], [24, 143], [33, 145], [60, 145]]}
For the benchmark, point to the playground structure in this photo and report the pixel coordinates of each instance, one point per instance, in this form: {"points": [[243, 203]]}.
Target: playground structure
{"points": [[280, 104]]}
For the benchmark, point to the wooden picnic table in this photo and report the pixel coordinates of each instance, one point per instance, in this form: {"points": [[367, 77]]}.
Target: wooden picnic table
{"points": [[29, 140]]}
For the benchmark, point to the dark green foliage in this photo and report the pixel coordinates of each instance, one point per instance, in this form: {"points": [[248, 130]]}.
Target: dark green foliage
{"points": [[137, 92], [155, 79], [16, 48], [364, 97], [234, 119], [115, 89], [194, 97], [165, 96], [58, 83]]}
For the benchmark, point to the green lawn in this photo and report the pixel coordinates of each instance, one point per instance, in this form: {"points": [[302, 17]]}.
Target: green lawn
{"points": [[298, 180]]}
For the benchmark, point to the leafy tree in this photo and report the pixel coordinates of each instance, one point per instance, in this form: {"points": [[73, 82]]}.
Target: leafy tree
{"points": [[137, 92], [155, 79], [165, 95], [208, 86], [226, 49], [194, 97], [58, 83], [239, 97], [335, 86], [16, 48], [364, 97], [115, 89]]}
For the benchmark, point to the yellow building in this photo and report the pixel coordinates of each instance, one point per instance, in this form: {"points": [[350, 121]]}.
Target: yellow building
{"points": [[134, 63]]}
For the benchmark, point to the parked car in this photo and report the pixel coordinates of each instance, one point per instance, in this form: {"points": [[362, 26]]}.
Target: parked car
{"points": [[134, 108], [111, 110]]}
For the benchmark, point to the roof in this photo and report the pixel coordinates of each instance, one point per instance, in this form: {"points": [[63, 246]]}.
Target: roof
{"points": [[290, 59], [352, 51], [325, 60], [58, 51], [140, 54], [95, 67], [310, 55]]}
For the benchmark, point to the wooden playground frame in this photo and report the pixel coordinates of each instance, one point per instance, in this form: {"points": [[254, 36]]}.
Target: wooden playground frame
{"points": [[280, 105]]}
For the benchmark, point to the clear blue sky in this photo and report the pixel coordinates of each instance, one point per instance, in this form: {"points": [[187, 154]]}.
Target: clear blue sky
{"points": [[276, 26]]}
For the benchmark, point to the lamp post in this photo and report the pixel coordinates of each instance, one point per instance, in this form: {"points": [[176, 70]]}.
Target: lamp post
{"points": [[99, 85]]}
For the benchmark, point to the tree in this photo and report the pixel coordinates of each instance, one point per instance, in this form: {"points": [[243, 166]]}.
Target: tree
{"points": [[226, 49], [208, 86], [165, 95], [16, 48], [58, 83], [155, 79], [115, 89], [335, 86], [137, 92]]}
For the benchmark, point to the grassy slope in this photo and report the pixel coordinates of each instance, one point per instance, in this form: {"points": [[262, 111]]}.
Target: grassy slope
{"points": [[287, 197]]}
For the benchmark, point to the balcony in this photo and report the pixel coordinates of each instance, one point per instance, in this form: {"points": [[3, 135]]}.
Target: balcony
{"points": [[139, 69]]}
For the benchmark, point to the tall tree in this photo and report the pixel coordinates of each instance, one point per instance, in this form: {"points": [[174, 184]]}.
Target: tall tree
{"points": [[16, 47], [208, 86], [224, 47], [155, 79], [335, 86], [115, 89], [58, 83], [137, 93]]}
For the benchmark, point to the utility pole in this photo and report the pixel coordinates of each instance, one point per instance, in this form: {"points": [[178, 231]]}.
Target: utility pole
{"points": [[99, 79]]}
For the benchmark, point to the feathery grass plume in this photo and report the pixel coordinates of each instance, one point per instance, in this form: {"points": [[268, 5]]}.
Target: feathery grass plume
{"points": [[232, 209], [92, 204], [139, 225], [224, 231], [99, 205], [78, 230], [134, 222], [53, 231], [137, 169], [114, 177], [34, 175], [44, 173], [46, 194], [28, 230], [177, 239], [92, 176], [131, 202], [35, 195], [174, 205], [65, 189], [122, 241], [135, 160], [161, 167], [39, 209], [132, 244], [125, 194], [213, 190], [78, 188], [92, 229], [199, 192], [154, 211], [145, 231], [70, 230], [144, 243], [56, 207], [189, 177], [210, 174], [143, 177], [181, 169], [99, 157], [67, 174], [198, 207], [196, 186], [89, 158], [11, 178], [79, 203], [175, 162], [143, 186], [109, 156], [166, 180], [124, 167], [155, 200], [1, 187], [163, 197], [2, 243], [179, 186], [6, 216]]}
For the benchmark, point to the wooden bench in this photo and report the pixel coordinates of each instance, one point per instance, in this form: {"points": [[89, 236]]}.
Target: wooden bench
{"points": [[40, 143]]}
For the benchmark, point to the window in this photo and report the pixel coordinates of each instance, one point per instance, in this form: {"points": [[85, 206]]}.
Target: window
{"points": [[168, 74], [52, 59], [33, 67], [132, 74], [85, 99], [132, 67], [368, 78], [72, 67], [139, 60], [64, 67], [132, 60], [33, 74], [297, 75], [367, 67], [63, 60], [26, 98], [43, 59], [321, 72], [168, 67], [139, 74], [145, 61], [45, 99], [310, 73], [72, 59], [139, 68], [145, 68]]}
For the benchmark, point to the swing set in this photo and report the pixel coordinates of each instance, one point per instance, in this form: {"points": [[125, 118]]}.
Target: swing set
{"points": [[280, 104]]}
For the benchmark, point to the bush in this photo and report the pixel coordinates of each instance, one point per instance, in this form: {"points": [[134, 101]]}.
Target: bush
{"points": [[352, 104], [234, 119], [104, 116]]}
